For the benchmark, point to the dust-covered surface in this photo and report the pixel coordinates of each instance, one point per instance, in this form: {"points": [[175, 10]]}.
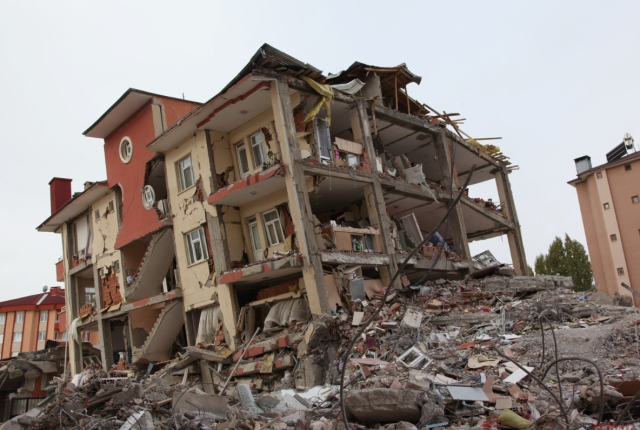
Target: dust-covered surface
{"points": [[446, 354]]}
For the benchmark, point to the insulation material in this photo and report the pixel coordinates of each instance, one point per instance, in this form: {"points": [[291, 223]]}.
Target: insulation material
{"points": [[325, 99], [284, 313], [208, 328]]}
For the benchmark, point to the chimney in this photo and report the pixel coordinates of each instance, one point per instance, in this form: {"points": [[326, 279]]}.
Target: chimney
{"points": [[60, 192], [583, 164], [54, 291]]}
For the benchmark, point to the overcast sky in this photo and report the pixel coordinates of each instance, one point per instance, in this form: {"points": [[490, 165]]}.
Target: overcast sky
{"points": [[556, 80]]}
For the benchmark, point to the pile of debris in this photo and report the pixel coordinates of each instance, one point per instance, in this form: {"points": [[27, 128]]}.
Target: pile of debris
{"points": [[497, 352]]}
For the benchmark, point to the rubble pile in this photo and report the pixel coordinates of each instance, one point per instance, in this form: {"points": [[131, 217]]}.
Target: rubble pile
{"points": [[450, 354]]}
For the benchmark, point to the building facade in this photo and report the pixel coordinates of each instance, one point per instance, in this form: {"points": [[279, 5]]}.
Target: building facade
{"points": [[610, 207], [288, 190], [28, 322]]}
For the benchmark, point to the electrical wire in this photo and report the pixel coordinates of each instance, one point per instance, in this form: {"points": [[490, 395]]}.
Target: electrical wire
{"points": [[348, 351]]}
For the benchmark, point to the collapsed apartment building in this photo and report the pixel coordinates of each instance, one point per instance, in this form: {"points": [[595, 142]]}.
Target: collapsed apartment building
{"points": [[259, 206]]}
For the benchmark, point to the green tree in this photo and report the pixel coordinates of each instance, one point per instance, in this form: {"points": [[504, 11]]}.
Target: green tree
{"points": [[531, 272], [568, 258], [541, 265]]}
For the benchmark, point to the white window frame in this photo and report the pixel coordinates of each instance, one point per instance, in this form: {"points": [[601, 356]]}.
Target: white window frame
{"points": [[258, 251], [42, 336], [257, 149], [20, 317], [125, 149], [15, 353], [148, 197], [183, 177], [196, 237], [273, 241], [17, 336], [3, 318], [44, 316], [242, 147], [1, 338]]}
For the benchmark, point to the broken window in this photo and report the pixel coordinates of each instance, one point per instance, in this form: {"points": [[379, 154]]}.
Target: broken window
{"points": [[272, 224], [257, 147], [243, 160], [90, 295], [185, 172], [324, 138], [254, 235], [82, 243], [196, 246]]}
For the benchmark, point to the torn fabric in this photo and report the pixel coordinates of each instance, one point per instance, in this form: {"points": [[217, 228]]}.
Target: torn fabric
{"points": [[326, 97], [208, 328]]}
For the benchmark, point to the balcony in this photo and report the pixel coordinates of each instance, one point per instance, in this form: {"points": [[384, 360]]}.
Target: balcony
{"points": [[250, 188]]}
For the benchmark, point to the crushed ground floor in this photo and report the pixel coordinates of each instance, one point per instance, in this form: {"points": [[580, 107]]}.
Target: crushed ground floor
{"points": [[492, 352]]}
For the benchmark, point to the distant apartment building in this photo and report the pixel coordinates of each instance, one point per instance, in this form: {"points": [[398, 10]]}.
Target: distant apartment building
{"points": [[278, 192], [609, 196], [28, 322]]}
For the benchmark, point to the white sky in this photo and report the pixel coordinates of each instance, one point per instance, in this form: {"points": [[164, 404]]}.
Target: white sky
{"points": [[556, 80]]}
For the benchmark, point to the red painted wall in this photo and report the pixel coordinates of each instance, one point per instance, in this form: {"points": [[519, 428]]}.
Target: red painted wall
{"points": [[137, 221]]}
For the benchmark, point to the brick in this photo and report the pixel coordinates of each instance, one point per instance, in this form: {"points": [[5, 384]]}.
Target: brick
{"points": [[283, 341], [254, 350]]}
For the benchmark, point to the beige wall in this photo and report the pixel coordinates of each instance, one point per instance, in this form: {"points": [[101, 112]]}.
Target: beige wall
{"points": [[189, 213], [616, 187]]}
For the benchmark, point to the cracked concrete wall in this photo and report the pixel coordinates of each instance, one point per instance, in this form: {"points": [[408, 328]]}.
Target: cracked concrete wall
{"points": [[188, 211], [105, 232], [105, 228], [245, 131], [257, 208]]}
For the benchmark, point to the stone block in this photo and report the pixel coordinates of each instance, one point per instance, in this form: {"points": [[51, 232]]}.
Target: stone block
{"points": [[384, 405]]}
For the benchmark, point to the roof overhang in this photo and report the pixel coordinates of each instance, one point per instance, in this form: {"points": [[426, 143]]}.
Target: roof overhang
{"points": [[128, 104], [74, 207]]}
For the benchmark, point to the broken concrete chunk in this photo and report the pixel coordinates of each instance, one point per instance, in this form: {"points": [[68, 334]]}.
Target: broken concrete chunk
{"points": [[384, 405], [126, 396], [200, 403]]}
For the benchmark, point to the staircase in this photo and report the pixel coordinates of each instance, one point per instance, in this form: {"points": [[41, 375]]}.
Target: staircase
{"points": [[153, 268], [157, 347]]}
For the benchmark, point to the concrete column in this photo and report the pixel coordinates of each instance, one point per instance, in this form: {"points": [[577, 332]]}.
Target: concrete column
{"points": [[456, 222], [106, 354], [516, 245], [373, 193], [298, 197]]}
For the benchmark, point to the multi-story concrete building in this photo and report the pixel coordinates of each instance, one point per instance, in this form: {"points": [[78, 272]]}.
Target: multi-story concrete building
{"points": [[26, 323], [610, 207], [287, 192]]}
